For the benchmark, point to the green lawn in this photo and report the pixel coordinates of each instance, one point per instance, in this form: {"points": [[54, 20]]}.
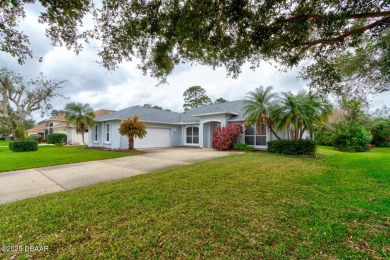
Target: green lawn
{"points": [[51, 155], [4, 143], [253, 205]]}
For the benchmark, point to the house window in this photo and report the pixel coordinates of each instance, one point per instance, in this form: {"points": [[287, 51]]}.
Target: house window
{"points": [[51, 128], [256, 136], [107, 132], [95, 136], [192, 135]]}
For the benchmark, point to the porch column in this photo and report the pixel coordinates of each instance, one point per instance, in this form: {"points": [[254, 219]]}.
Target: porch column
{"points": [[201, 145]]}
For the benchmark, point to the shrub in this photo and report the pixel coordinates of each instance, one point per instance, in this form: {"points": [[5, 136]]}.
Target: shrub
{"points": [[324, 136], [224, 138], [2, 138], [381, 133], [23, 146], [56, 139], [352, 138], [37, 138], [292, 147], [244, 147]]}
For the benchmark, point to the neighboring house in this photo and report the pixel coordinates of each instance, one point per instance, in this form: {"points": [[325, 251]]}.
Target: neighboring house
{"points": [[58, 125], [37, 130], [167, 129]]}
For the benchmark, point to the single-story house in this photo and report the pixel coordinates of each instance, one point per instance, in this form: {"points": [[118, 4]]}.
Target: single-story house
{"points": [[169, 129], [58, 124]]}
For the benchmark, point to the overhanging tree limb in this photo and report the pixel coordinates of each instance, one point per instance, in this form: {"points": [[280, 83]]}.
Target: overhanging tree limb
{"points": [[348, 33], [326, 17]]}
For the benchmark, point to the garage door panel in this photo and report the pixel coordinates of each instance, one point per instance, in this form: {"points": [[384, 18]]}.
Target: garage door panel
{"points": [[155, 137]]}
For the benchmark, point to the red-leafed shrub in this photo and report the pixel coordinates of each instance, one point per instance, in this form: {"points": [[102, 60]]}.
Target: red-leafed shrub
{"points": [[224, 138]]}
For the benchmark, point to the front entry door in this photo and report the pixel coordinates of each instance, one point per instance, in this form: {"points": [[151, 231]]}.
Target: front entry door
{"points": [[213, 126]]}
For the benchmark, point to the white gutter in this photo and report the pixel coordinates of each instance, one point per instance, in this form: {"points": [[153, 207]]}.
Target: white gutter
{"points": [[216, 113]]}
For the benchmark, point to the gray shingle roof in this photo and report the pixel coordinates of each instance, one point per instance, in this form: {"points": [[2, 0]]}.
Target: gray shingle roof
{"points": [[144, 113], [233, 107], [162, 116]]}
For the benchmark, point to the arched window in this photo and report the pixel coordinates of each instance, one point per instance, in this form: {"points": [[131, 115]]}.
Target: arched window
{"points": [[192, 135]]}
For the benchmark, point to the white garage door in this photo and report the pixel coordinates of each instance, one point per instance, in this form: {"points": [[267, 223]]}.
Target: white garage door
{"points": [[156, 137]]}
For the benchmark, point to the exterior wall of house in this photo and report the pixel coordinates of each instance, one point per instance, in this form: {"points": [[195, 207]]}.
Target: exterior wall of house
{"points": [[175, 138], [118, 141], [59, 130], [204, 127], [75, 138], [177, 133], [114, 137]]}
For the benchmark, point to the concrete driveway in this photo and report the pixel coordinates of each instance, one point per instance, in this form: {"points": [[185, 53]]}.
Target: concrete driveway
{"points": [[18, 185]]}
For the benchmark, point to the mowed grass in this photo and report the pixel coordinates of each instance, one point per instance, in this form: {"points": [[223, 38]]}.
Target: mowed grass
{"points": [[52, 155], [4, 143], [253, 205]]}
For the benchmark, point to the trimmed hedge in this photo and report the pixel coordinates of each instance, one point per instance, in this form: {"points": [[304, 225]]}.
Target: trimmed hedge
{"points": [[56, 139], [23, 146], [292, 147]]}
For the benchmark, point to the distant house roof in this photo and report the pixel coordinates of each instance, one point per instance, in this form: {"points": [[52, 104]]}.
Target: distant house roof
{"points": [[61, 118], [38, 128], [57, 118], [233, 108], [102, 112]]}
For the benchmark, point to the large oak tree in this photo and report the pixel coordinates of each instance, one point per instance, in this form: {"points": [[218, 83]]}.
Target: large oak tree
{"points": [[225, 33], [19, 98]]}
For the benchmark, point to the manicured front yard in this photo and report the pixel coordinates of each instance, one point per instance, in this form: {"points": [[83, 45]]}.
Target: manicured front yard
{"points": [[52, 155], [254, 205], [4, 143]]}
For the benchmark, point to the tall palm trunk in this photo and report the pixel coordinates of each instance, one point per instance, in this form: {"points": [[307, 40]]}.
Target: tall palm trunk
{"points": [[301, 134], [82, 136], [272, 131], [131, 142]]}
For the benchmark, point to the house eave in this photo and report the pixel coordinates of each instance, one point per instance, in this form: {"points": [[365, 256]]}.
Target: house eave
{"points": [[148, 121]]}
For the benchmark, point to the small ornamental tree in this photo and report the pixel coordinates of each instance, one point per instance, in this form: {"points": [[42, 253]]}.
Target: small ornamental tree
{"points": [[224, 138], [132, 128], [81, 116]]}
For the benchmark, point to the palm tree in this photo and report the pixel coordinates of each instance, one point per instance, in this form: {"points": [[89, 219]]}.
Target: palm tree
{"points": [[80, 115], [259, 106], [299, 113], [133, 129], [318, 112]]}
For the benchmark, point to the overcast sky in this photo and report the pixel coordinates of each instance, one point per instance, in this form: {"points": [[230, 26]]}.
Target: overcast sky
{"points": [[88, 82]]}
